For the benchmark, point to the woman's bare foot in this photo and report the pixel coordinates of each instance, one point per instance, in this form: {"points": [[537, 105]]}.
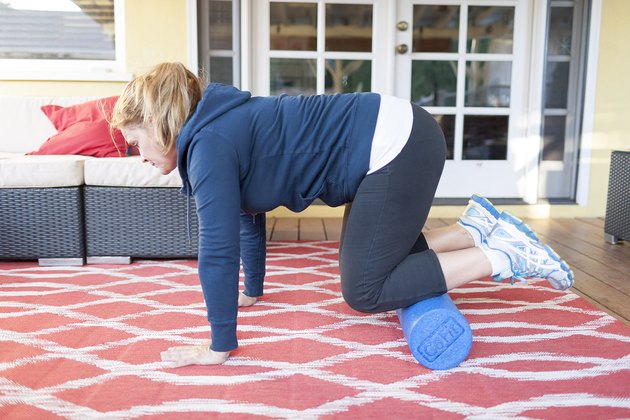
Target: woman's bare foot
{"points": [[244, 300]]}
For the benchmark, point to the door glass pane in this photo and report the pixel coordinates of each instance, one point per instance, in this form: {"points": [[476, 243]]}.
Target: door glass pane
{"points": [[293, 26], [553, 137], [488, 83], [490, 29], [221, 70], [435, 28], [344, 76], [348, 27], [485, 137], [220, 25], [447, 123], [434, 83], [293, 76], [560, 31], [556, 84]]}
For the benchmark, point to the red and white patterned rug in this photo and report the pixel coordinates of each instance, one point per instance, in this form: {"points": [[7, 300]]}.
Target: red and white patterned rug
{"points": [[85, 342]]}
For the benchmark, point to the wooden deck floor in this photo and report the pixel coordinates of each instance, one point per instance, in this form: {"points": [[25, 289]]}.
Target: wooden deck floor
{"points": [[602, 270]]}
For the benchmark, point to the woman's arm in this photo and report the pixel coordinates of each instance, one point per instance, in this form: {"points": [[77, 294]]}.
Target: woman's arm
{"points": [[213, 171], [253, 252]]}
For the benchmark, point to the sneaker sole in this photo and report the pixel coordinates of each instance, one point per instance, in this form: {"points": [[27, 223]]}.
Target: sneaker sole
{"points": [[563, 265], [520, 225], [486, 204], [523, 227]]}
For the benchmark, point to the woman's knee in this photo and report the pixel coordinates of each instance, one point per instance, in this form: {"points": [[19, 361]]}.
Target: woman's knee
{"points": [[360, 301]]}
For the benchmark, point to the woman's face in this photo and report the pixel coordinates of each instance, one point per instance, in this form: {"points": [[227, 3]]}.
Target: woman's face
{"points": [[144, 139]]}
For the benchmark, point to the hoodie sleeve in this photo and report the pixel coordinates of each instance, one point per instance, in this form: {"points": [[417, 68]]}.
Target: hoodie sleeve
{"points": [[253, 252], [213, 172]]}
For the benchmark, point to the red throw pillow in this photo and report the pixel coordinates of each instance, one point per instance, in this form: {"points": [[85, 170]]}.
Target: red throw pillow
{"points": [[83, 129]]}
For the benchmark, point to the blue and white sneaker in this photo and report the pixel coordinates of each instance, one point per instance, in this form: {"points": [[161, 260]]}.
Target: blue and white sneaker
{"points": [[479, 217], [528, 256]]}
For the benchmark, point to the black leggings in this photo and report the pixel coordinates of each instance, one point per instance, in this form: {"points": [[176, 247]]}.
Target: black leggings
{"points": [[384, 259]]}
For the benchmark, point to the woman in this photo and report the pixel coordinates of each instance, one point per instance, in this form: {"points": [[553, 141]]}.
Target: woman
{"points": [[241, 156]]}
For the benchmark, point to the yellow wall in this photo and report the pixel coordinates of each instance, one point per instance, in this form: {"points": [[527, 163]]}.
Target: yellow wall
{"points": [[156, 31], [612, 106], [612, 112]]}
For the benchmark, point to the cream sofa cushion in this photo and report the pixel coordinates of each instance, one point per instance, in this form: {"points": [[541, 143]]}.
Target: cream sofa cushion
{"points": [[43, 171], [127, 172]]}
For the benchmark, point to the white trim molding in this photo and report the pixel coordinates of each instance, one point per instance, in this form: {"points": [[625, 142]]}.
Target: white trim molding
{"points": [[246, 45], [536, 50], [590, 89], [193, 47]]}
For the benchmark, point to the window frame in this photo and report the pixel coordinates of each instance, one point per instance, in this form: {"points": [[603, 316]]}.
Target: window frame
{"points": [[74, 70], [202, 42]]}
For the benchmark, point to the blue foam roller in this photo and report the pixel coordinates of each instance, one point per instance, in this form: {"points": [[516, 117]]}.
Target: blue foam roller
{"points": [[438, 335]]}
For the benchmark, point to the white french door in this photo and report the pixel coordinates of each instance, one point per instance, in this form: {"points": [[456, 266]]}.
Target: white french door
{"points": [[315, 46], [465, 61]]}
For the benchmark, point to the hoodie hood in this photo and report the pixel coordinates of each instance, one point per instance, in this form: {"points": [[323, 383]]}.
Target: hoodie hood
{"points": [[216, 101]]}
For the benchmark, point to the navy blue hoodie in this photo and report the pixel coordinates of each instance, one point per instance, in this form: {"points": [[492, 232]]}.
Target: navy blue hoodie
{"points": [[242, 154]]}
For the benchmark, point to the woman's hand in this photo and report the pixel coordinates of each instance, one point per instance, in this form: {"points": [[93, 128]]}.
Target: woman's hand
{"points": [[194, 355]]}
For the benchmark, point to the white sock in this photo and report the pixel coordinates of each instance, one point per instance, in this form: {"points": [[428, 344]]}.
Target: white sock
{"points": [[476, 235], [498, 259]]}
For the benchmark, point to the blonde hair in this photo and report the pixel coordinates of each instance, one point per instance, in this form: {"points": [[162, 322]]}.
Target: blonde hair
{"points": [[166, 95]]}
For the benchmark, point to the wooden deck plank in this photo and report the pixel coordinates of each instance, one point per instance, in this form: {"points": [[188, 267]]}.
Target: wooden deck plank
{"points": [[312, 229], [270, 223], [603, 296], [595, 221], [585, 230], [286, 229], [604, 283], [578, 260], [572, 236], [332, 227], [595, 236]]}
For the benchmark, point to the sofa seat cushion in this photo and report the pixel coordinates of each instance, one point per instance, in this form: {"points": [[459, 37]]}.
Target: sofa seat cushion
{"points": [[18, 171], [127, 172]]}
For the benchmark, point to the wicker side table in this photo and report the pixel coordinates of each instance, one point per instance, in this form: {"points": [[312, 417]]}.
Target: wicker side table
{"points": [[617, 224]]}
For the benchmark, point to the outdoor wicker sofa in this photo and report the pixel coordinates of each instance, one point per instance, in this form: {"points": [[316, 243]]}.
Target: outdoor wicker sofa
{"points": [[72, 210]]}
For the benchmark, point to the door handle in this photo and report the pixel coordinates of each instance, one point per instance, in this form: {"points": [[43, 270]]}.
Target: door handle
{"points": [[402, 25], [402, 48]]}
